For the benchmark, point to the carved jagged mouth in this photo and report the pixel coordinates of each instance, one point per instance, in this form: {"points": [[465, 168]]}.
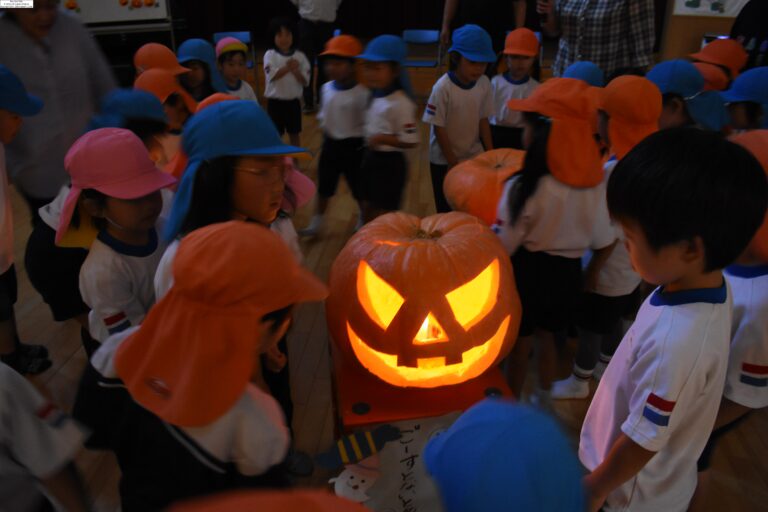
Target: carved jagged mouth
{"points": [[431, 372]]}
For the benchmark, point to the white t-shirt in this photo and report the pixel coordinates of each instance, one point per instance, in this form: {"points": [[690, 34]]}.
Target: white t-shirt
{"points": [[6, 217], [286, 87], [662, 389], [36, 441], [51, 213], [116, 281], [747, 380], [244, 91], [556, 219], [393, 114], [459, 109], [342, 111], [504, 89]]}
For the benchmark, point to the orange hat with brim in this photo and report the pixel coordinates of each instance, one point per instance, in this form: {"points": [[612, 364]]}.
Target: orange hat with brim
{"points": [[715, 79], [723, 52], [162, 83], [756, 142], [634, 106], [343, 46], [304, 500], [573, 155], [521, 41], [157, 56], [194, 354]]}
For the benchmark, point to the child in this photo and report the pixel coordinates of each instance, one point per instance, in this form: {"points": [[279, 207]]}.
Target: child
{"points": [[157, 56], [203, 78], [14, 103], [656, 403], [502, 456], [196, 424], [178, 104], [342, 116], [747, 100], [390, 127], [459, 108], [629, 111], [287, 72], [726, 54], [550, 214], [587, 71], [520, 51], [231, 55], [684, 101]]}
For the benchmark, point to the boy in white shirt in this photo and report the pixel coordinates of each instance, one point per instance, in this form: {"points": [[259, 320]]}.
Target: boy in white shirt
{"points": [[657, 401], [231, 55]]}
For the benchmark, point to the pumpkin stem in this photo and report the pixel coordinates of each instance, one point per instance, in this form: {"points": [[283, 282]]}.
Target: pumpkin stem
{"points": [[421, 234]]}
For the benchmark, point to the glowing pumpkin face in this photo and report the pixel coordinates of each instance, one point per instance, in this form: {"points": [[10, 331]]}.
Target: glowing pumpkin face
{"points": [[424, 303]]}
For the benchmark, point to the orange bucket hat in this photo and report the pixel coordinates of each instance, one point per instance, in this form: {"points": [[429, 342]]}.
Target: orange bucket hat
{"points": [[723, 52], [756, 142], [715, 78], [305, 500], [573, 155], [343, 46], [157, 56], [194, 354], [521, 41], [162, 83], [634, 104]]}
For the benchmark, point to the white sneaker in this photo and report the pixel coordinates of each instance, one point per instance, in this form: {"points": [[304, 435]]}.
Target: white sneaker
{"points": [[570, 388]]}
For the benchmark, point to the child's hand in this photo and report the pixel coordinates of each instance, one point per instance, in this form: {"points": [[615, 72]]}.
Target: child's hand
{"points": [[292, 64], [376, 140], [595, 498], [275, 360]]}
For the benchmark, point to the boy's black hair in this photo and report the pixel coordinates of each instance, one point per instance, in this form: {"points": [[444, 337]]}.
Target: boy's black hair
{"points": [[669, 97], [145, 129], [754, 112], [207, 85], [224, 57], [276, 25], [100, 199], [211, 194], [683, 183], [534, 166]]}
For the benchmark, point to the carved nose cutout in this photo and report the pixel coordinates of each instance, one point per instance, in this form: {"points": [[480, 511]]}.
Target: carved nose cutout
{"points": [[430, 332]]}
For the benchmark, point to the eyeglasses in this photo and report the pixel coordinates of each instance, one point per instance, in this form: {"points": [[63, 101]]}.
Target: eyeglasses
{"points": [[269, 174]]}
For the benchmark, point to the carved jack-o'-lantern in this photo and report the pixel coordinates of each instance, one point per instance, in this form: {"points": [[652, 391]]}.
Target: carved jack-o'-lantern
{"points": [[424, 302]]}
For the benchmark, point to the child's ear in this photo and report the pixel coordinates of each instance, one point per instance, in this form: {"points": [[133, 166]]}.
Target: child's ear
{"points": [[694, 250], [92, 208]]}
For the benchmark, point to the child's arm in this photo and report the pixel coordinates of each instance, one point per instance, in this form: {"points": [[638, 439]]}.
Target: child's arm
{"points": [[445, 146], [272, 69], [520, 13], [300, 69], [403, 122], [599, 257], [387, 139], [67, 488], [485, 134], [625, 459], [729, 412]]}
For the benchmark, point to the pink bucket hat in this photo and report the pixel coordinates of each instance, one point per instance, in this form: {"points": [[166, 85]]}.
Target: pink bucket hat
{"points": [[114, 162], [230, 44]]}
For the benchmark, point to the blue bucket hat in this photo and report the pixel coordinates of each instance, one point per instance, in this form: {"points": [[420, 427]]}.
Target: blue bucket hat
{"points": [[202, 50], [752, 85], [389, 48], [14, 97], [502, 456], [227, 128], [586, 72], [473, 42], [122, 104]]}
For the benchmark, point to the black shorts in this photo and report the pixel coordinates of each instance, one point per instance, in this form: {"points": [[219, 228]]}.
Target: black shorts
{"points": [[55, 273], [549, 288], [382, 178], [507, 137], [599, 313], [286, 114], [9, 293], [339, 156]]}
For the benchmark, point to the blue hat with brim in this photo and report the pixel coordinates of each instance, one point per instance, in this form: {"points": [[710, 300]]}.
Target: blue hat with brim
{"points": [[586, 72], [227, 128], [120, 105], [203, 51], [708, 111], [14, 97], [473, 42], [502, 456], [752, 85], [389, 48]]}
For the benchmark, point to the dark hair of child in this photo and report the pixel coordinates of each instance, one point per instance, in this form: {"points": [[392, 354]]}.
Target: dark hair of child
{"points": [[207, 86], [534, 166], [669, 97], [100, 199], [683, 183], [225, 57], [145, 129], [278, 24], [754, 113]]}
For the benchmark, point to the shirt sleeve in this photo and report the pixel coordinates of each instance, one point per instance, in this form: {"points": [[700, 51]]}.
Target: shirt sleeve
{"points": [[642, 34], [262, 438], [437, 106], [487, 105], [510, 233], [304, 66], [404, 122], [271, 65]]}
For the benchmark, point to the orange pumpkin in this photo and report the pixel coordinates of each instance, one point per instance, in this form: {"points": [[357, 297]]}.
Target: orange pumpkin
{"points": [[424, 302], [149, 3], [475, 186], [71, 5], [123, 2], [136, 4]]}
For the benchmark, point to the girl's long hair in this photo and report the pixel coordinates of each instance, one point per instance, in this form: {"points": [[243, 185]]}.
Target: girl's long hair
{"points": [[534, 167], [211, 194]]}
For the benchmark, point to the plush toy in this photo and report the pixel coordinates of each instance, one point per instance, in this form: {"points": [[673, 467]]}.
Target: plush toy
{"points": [[354, 482]]}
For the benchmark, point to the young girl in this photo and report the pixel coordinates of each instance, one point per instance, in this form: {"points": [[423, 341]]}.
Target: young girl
{"points": [[549, 215], [203, 78], [459, 108], [520, 51], [747, 100], [343, 103], [390, 127], [287, 72], [177, 103], [232, 54], [196, 424]]}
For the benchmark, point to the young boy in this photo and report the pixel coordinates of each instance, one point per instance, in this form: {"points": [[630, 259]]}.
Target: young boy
{"points": [[657, 401], [231, 55], [14, 103]]}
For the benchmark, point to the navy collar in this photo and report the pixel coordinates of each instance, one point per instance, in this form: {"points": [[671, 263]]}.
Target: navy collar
{"points": [[706, 295], [239, 84], [382, 93], [459, 83], [747, 271], [336, 85], [522, 81], [139, 251]]}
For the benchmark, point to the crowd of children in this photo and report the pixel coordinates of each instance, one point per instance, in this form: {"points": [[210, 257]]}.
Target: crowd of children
{"points": [[173, 247]]}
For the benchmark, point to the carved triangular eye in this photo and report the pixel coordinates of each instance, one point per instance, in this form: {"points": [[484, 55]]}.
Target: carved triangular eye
{"points": [[378, 298], [473, 300]]}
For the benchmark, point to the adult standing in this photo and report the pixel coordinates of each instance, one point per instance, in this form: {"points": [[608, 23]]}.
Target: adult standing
{"points": [[751, 30], [497, 17], [315, 29], [59, 62], [617, 35]]}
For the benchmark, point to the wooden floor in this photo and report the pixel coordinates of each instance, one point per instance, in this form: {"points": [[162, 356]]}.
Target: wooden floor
{"points": [[740, 470]]}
